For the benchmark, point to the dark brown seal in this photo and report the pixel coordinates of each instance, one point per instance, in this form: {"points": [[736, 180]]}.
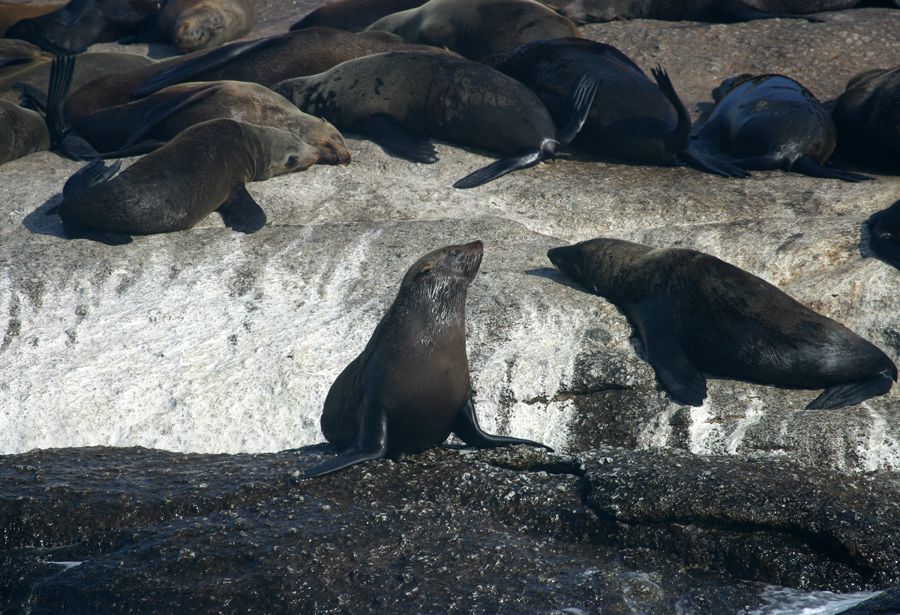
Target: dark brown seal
{"points": [[191, 25], [484, 30], [409, 389], [867, 117], [769, 122], [22, 131], [202, 170], [265, 61], [354, 15], [697, 315], [403, 98], [14, 12]]}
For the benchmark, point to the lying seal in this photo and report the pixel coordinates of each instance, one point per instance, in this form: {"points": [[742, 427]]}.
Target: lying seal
{"points": [[698, 316], [769, 122], [632, 118], [402, 98], [354, 15], [202, 170], [191, 25], [265, 61], [16, 55], [867, 117], [24, 131], [484, 30], [409, 388], [592, 11], [81, 23], [14, 12], [884, 234]]}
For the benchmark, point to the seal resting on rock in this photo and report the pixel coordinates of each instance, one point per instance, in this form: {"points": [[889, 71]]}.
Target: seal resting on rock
{"points": [[770, 122], [22, 131], [884, 229], [867, 116], [202, 170], [191, 25], [697, 315], [354, 15], [409, 388]]}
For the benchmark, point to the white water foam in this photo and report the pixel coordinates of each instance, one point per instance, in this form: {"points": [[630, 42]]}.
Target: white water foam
{"points": [[786, 601]]}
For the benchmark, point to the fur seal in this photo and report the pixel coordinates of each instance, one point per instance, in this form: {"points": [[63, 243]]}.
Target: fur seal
{"points": [[17, 55], [769, 122], [22, 131], [81, 23], [265, 61], [354, 15], [202, 170], [409, 388], [698, 315], [14, 12], [191, 25], [593, 11], [632, 118], [867, 117], [401, 98], [483, 30], [884, 234]]}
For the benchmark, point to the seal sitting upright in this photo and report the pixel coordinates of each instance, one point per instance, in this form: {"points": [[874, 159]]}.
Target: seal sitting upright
{"points": [[410, 388], [698, 315]]}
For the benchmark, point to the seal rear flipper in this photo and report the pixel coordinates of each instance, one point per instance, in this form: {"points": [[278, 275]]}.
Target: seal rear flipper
{"points": [[208, 61], [153, 116], [397, 140], [808, 166], [466, 427], [500, 168], [677, 141], [705, 162], [579, 104], [77, 148], [91, 174], [241, 212], [853, 393], [737, 10], [371, 444], [653, 320], [61, 71]]}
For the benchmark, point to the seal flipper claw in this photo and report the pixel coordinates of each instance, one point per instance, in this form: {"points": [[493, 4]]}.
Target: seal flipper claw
{"points": [[397, 140], [579, 102], [653, 321], [852, 393], [466, 427], [808, 166], [371, 444], [242, 213]]}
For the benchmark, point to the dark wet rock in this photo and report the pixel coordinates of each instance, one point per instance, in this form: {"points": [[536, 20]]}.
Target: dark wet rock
{"points": [[886, 603]]}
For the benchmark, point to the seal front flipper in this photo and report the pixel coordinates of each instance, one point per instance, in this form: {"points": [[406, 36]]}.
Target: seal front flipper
{"points": [[653, 320], [208, 61], [397, 140], [241, 212], [853, 393], [466, 427], [808, 166], [371, 443], [884, 230]]}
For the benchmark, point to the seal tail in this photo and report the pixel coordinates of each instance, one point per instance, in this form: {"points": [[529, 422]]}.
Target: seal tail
{"points": [[678, 140], [854, 393]]}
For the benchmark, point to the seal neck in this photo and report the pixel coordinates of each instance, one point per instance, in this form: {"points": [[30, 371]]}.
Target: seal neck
{"points": [[603, 265], [437, 305]]}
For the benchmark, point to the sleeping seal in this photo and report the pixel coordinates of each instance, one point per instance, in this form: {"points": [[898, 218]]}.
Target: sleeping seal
{"points": [[354, 15], [191, 25], [867, 117], [409, 388], [697, 315], [769, 122], [22, 131]]}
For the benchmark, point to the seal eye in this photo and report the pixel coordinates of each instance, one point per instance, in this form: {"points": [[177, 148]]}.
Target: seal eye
{"points": [[293, 161], [454, 253]]}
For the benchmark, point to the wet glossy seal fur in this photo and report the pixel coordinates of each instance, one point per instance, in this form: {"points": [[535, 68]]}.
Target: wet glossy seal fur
{"points": [[632, 118], [202, 170], [884, 234], [409, 389], [354, 15], [697, 315], [867, 117], [402, 98], [591, 11], [483, 30], [191, 25], [769, 122]]}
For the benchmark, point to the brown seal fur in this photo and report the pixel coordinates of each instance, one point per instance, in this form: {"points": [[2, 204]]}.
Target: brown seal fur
{"points": [[354, 15], [13, 12], [109, 129], [22, 131], [484, 30], [192, 25], [264, 61], [202, 170], [698, 315], [17, 55], [867, 116], [410, 389]]}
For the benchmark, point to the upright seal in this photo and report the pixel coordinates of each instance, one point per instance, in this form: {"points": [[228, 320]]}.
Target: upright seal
{"points": [[697, 315], [409, 388]]}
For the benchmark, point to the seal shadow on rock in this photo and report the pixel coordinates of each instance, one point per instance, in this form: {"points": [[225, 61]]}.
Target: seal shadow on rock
{"points": [[410, 388], [699, 316], [403, 98], [770, 122]]}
